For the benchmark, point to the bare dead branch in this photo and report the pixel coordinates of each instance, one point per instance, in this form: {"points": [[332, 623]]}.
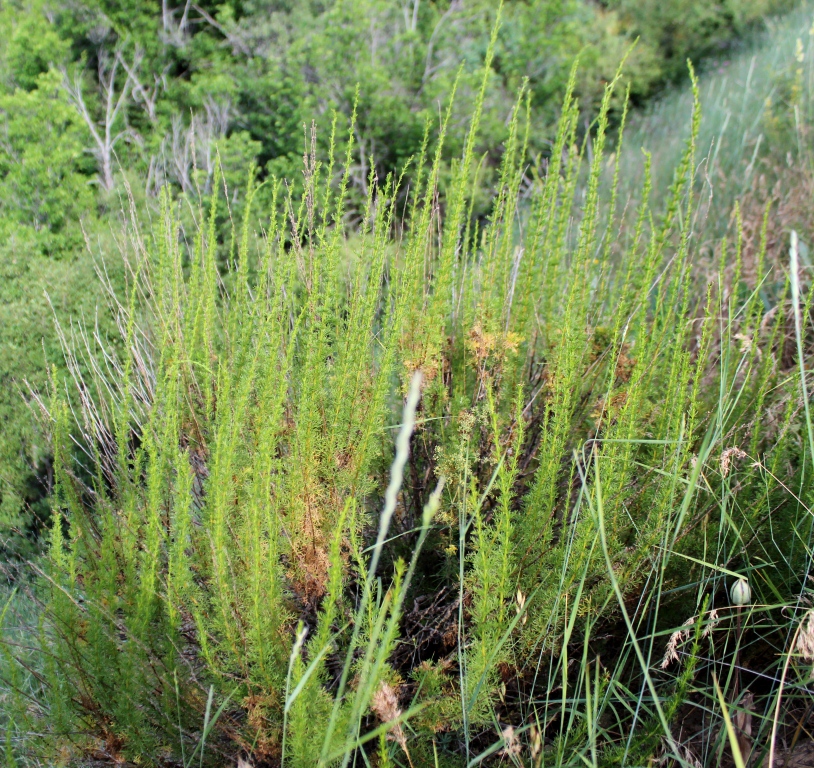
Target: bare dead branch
{"points": [[148, 98], [104, 132], [238, 44]]}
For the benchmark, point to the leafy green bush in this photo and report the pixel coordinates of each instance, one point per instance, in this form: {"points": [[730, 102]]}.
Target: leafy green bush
{"points": [[681, 29], [44, 195]]}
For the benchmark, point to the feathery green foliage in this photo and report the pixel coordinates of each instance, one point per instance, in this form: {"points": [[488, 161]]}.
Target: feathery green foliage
{"points": [[589, 427], [97, 97]]}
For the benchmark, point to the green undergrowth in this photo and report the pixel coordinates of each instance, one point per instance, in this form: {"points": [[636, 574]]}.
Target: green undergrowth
{"points": [[435, 491]]}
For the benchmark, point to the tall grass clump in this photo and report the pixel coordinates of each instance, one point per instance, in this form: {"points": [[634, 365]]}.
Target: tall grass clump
{"points": [[757, 117], [435, 491]]}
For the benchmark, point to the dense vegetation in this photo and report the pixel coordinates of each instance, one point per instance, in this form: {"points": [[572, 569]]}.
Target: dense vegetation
{"points": [[96, 93], [471, 434]]}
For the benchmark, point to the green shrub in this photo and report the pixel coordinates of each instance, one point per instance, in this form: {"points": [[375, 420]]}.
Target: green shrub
{"points": [[244, 77], [234, 545], [43, 196], [681, 29]]}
